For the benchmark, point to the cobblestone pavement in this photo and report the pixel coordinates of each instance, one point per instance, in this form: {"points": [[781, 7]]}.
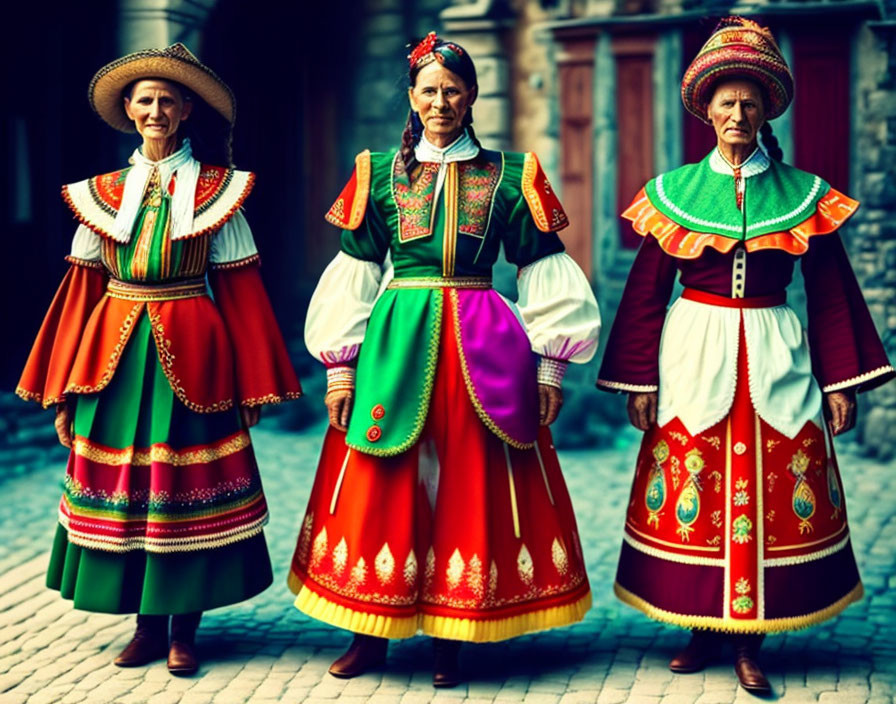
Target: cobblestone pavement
{"points": [[266, 651]]}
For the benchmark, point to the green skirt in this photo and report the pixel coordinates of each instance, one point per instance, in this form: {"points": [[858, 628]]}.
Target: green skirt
{"points": [[120, 545]]}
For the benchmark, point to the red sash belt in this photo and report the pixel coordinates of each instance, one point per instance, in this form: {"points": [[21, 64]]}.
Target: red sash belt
{"points": [[775, 299]]}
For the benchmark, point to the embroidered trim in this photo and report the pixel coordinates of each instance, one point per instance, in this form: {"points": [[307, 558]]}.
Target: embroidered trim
{"points": [[478, 187], [209, 215], [811, 557], [541, 196], [670, 556], [551, 372], [471, 390], [359, 196], [86, 263], [729, 625], [128, 291], [236, 264], [428, 379], [166, 359], [270, 399], [124, 334], [861, 379], [84, 447], [168, 545], [634, 388], [476, 282], [414, 202]]}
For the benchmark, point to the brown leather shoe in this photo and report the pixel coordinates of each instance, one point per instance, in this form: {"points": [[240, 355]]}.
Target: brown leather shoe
{"points": [[150, 642], [700, 650], [746, 667], [182, 658], [446, 670], [364, 654]]}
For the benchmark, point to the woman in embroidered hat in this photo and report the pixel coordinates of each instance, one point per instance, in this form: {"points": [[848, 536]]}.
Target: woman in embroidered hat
{"points": [[439, 506], [737, 520], [155, 383]]}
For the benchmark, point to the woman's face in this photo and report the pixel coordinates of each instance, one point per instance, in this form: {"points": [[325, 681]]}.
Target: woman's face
{"points": [[157, 108], [736, 112], [441, 99]]}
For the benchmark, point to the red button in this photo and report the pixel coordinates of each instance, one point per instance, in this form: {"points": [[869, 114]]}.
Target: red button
{"points": [[374, 433], [378, 412]]}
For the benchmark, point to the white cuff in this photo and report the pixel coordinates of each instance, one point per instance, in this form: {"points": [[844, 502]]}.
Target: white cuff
{"points": [[340, 378], [551, 372]]}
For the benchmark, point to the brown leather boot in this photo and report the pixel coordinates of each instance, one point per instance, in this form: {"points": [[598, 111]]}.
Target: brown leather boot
{"points": [[700, 650], [746, 665], [365, 653], [150, 642], [446, 670], [182, 658]]}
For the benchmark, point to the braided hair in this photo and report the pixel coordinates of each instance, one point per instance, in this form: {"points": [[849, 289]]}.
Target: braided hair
{"points": [[770, 142], [457, 60]]}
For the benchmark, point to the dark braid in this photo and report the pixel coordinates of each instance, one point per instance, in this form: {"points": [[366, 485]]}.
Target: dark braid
{"points": [[409, 139], [770, 142]]}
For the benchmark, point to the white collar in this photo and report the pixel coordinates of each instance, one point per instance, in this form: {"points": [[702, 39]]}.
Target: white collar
{"points": [[182, 202], [461, 149], [755, 164]]}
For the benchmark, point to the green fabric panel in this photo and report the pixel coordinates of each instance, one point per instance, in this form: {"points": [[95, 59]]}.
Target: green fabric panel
{"points": [[126, 252], [138, 407], [399, 354], [699, 199], [154, 583]]}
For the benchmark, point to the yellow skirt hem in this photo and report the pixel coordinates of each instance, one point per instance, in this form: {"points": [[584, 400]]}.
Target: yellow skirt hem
{"points": [[730, 625], [451, 628]]}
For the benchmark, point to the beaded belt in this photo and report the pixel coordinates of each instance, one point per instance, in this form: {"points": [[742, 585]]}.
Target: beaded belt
{"points": [[189, 288], [775, 299], [483, 282]]}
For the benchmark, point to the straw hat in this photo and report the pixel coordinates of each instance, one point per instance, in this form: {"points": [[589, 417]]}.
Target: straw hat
{"points": [[743, 49], [174, 63]]}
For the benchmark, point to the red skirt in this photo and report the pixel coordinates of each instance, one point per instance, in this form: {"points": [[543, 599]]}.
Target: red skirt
{"points": [[460, 537], [738, 528]]}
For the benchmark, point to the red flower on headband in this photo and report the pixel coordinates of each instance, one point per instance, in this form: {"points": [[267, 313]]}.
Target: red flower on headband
{"points": [[422, 49]]}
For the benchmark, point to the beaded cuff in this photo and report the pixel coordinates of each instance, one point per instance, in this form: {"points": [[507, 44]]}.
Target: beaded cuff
{"points": [[339, 378], [551, 372]]}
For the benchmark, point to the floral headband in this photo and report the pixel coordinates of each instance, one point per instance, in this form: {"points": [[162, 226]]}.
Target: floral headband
{"points": [[425, 53]]}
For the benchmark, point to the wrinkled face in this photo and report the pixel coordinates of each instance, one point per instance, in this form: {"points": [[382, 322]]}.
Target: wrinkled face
{"points": [[441, 99], [157, 108], [736, 112]]}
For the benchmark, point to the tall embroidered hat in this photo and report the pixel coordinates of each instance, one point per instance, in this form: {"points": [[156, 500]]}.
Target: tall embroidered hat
{"points": [[738, 48], [173, 63]]}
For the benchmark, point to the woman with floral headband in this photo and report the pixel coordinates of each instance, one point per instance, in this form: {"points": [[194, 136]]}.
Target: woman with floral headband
{"points": [[439, 505], [156, 383], [737, 520]]}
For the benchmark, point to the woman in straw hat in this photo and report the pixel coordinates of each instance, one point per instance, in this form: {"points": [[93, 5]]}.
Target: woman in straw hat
{"points": [[737, 520], [439, 505], [155, 383]]}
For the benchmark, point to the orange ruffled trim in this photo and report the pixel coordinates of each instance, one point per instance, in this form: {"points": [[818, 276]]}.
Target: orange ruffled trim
{"points": [[830, 213]]}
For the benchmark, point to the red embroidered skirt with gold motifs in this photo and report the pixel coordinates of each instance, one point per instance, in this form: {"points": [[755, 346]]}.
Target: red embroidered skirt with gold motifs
{"points": [[460, 537], [739, 528]]}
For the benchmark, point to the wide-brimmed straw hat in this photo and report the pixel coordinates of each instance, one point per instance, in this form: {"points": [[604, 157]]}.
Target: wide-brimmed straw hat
{"points": [[174, 63], [738, 48]]}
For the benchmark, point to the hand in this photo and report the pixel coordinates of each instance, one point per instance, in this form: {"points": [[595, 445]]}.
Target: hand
{"points": [[550, 399], [339, 407], [250, 415], [642, 409], [842, 409], [63, 424]]}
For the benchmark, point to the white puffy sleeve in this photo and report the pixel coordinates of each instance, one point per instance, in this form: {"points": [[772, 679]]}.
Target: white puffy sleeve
{"points": [[233, 244], [560, 313], [339, 309], [87, 246]]}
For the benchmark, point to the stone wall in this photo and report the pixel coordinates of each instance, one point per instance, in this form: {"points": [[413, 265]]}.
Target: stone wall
{"points": [[871, 239]]}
